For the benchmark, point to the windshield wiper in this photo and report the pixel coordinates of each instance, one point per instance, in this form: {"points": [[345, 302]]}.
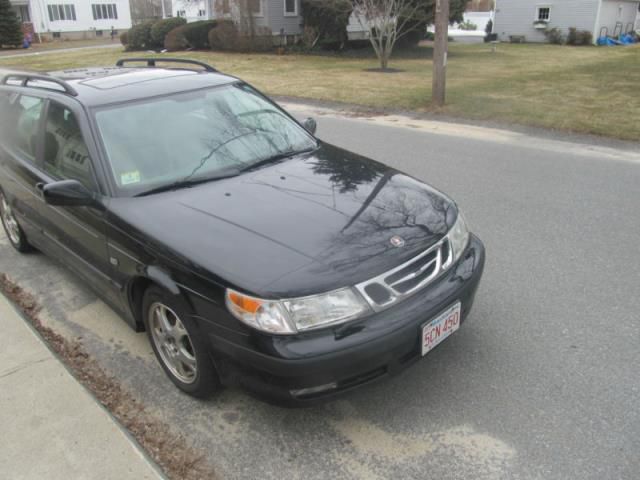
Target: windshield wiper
{"points": [[276, 158], [189, 183]]}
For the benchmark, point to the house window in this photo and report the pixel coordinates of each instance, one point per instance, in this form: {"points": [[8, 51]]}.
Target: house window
{"points": [[290, 8], [65, 155], [104, 11], [23, 13], [19, 123], [543, 14], [61, 12], [202, 13]]}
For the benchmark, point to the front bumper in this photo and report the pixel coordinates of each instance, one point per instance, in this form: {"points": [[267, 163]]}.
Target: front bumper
{"points": [[289, 369]]}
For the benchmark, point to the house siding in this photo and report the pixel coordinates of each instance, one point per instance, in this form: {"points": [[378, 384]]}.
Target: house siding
{"points": [[191, 9], [614, 11], [277, 21], [84, 26], [516, 17], [357, 28], [271, 17]]}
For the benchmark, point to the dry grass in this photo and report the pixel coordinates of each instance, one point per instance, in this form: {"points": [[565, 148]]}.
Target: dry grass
{"points": [[582, 89], [170, 451], [58, 45]]}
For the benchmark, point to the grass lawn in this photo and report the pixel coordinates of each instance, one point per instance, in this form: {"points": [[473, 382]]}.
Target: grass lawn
{"points": [[582, 89], [58, 45]]}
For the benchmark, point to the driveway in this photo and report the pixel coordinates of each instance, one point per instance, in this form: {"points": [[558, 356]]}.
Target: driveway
{"points": [[542, 381]]}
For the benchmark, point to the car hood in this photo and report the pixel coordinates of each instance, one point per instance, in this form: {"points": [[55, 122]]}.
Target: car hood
{"points": [[312, 223]]}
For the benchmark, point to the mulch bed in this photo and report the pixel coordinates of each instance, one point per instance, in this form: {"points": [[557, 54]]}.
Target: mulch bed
{"points": [[383, 70]]}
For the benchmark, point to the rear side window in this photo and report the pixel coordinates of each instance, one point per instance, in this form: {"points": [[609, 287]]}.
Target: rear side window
{"points": [[19, 122], [65, 153]]}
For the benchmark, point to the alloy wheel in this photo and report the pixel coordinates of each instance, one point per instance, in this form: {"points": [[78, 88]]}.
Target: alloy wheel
{"points": [[173, 343], [9, 221]]}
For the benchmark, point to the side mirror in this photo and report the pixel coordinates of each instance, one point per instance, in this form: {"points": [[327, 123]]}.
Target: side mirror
{"points": [[68, 193], [311, 125]]}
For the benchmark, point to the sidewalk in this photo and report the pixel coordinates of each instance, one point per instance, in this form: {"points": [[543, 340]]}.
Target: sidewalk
{"points": [[51, 426]]}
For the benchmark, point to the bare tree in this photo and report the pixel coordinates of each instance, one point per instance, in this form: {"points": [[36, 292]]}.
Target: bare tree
{"points": [[142, 10], [386, 21]]}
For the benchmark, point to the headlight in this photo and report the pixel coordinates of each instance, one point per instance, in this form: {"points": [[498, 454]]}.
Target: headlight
{"points": [[458, 237], [296, 314]]}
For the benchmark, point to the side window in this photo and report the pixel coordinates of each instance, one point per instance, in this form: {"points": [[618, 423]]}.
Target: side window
{"points": [[65, 154], [19, 123]]}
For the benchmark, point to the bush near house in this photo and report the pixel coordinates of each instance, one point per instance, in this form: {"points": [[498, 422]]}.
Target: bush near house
{"points": [[10, 30], [192, 35], [197, 33], [226, 36], [139, 36], [579, 37], [488, 29], [161, 28], [170, 33], [424, 16], [329, 20], [468, 25], [554, 36], [175, 40]]}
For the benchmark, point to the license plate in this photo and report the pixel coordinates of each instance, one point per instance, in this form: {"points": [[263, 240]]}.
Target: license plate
{"points": [[440, 328]]}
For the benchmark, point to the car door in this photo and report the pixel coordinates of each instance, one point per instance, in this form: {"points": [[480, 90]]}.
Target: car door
{"points": [[20, 132], [77, 232]]}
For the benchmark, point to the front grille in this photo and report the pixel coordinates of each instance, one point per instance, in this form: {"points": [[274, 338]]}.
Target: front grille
{"points": [[406, 279]]}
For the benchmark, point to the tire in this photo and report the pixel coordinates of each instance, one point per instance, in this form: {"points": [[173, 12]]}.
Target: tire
{"points": [[178, 344], [12, 228]]}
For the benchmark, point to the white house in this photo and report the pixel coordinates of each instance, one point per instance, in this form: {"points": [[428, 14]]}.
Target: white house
{"points": [[73, 19], [530, 18], [281, 17]]}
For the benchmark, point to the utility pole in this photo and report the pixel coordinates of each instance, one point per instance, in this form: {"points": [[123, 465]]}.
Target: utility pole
{"points": [[440, 53]]}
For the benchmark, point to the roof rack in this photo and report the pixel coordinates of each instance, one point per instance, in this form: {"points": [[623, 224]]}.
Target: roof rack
{"points": [[25, 78], [151, 62]]}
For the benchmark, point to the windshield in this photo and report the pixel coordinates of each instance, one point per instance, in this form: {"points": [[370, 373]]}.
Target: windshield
{"points": [[195, 135]]}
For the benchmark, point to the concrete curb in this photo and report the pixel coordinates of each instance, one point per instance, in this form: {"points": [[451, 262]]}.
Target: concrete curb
{"points": [[57, 423]]}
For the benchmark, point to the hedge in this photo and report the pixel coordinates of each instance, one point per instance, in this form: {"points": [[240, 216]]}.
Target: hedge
{"points": [[197, 33], [175, 39], [139, 36], [227, 37], [161, 28]]}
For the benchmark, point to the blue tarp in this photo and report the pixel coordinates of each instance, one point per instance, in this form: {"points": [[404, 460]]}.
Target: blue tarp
{"points": [[626, 39]]}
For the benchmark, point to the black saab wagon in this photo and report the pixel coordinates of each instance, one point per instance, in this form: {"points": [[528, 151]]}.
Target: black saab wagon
{"points": [[251, 252]]}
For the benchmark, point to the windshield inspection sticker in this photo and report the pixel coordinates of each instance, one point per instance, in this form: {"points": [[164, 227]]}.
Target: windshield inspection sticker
{"points": [[128, 178]]}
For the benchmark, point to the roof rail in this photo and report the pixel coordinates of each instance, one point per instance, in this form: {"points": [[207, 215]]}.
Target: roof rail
{"points": [[25, 78], [151, 62]]}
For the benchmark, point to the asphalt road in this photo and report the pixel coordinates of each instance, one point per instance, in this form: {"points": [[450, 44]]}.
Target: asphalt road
{"points": [[543, 380]]}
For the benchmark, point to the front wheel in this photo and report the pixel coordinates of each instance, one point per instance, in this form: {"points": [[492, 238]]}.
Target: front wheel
{"points": [[178, 345], [14, 232]]}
